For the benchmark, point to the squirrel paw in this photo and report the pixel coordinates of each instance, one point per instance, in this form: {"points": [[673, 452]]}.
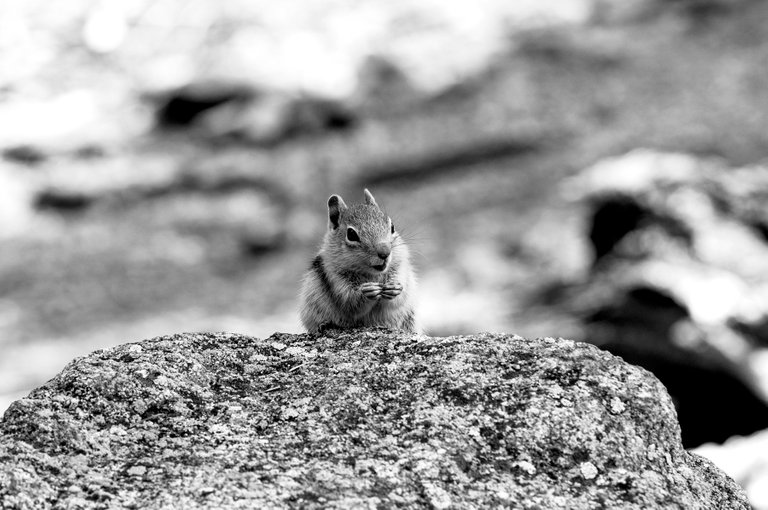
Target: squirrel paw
{"points": [[327, 327], [371, 290], [391, 290]]}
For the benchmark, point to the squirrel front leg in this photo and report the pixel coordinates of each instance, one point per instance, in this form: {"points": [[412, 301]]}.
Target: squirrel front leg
{"points": [[391, 289], [359, 300], [371, 290]]}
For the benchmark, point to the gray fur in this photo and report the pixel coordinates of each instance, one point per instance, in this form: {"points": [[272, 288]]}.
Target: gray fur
{"points": [[343, 288]]}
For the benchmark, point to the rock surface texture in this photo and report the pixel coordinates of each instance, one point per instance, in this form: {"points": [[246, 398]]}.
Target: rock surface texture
{"points": [[352, 420]]}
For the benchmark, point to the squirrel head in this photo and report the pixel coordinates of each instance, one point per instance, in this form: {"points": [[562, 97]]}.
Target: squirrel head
{"points": [[360, 237]]}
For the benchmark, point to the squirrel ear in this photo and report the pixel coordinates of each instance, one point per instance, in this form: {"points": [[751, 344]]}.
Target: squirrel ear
{"points": [[336, 206], [369, 198]]}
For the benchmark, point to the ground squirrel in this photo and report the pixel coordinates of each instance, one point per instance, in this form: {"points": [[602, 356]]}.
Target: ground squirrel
{"points": [[362, 275]]}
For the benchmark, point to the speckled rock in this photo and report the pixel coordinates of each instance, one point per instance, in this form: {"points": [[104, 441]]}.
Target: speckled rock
{"points": [[361, 419]]}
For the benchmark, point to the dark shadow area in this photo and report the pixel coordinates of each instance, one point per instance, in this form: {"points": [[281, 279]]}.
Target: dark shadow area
{"points": [[182, 106], [221, 112], [616, 216], [62, 201], [25, 154], [612, 220], [712, 403]]}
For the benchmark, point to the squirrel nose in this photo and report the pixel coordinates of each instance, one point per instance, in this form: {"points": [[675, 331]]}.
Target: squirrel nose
{"points": [[383, 251]]}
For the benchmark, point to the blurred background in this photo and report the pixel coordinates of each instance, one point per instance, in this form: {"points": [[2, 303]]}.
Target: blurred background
{"points": [[590, 169]]}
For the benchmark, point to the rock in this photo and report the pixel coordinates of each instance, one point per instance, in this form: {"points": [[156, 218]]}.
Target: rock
{"points": [[746, 461], [349, 420], [62, 201], [218, 110], [680, 280], [182, 105]]}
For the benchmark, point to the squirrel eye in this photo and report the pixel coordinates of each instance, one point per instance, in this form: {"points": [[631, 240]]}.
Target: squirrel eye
{"points": [[352, 235], [393, 228]]}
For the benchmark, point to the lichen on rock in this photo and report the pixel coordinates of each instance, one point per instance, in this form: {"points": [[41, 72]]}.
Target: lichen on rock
{"points": [[356, 419]]}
